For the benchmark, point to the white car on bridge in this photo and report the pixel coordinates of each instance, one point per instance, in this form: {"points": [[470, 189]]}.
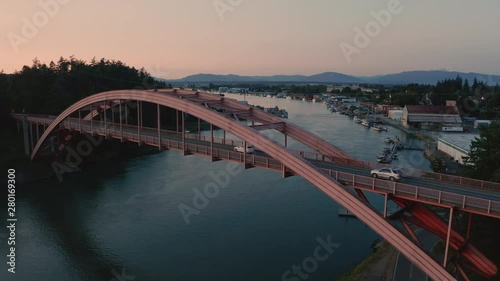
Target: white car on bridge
{"points": [[392, 174], [241, 148]]}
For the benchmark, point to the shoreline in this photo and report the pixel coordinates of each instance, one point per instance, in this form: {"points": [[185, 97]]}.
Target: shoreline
{"points": [[379, 265]]}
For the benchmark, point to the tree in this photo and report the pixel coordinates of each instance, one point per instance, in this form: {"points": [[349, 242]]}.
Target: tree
{"points": [[466, 87], [438, 165], [484, 157]]}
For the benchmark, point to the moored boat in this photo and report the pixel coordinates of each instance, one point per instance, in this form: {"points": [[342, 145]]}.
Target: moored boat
{"points": [[380, 128]]}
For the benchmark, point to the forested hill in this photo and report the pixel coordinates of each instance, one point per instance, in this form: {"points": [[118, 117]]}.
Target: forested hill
{"points": [[51, 88]]}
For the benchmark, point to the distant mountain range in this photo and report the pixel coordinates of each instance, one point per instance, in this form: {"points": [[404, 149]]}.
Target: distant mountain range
{"points": [[407, 77]]}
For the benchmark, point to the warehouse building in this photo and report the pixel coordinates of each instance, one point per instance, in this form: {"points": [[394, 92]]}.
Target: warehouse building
{"points": [[456, 146], [427, 117]]}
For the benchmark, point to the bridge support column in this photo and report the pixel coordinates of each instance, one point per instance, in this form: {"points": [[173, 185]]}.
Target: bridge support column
{"points": [[445, 262], [224, 136], [80, 121], [212, 144], [31, 135], [159, 127], [184, 139], [126, 114], [199, 128], [285, 172], [177, 120], [37, 133], [120, 113], [91, 122], [469, 227], [105, 121], [245, 165], [286, 140], [139, 113], [26, 133], [386, 198]]}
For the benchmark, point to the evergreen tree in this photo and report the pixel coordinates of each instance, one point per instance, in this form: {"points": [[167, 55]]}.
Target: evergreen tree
{"points": [[484, 158], [466, 87]]}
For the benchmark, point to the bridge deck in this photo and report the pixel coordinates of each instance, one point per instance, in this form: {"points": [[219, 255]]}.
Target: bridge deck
{"points": [[441, 193]]}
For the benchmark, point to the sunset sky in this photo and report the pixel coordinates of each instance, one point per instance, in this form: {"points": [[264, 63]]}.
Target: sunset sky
{"points": [[176, 38]]}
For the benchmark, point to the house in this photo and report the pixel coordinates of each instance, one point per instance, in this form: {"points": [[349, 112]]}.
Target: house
{"points": [[395, 114], [430, 117], [384, 108]]}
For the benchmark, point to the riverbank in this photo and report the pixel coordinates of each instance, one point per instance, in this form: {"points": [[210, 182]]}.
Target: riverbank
{"points": [[379, 265]]}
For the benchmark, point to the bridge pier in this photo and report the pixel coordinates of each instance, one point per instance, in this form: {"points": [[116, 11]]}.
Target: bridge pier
{"points": [[159, 126], [139, 113], [105, 121], [121, 129], [26, 134], [285, 172], [212, 157], [31, 136], [448, 235], [91, 122]]}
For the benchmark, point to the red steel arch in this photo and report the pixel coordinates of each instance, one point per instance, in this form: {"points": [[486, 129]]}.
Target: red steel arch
{"points": [[335, 190]]}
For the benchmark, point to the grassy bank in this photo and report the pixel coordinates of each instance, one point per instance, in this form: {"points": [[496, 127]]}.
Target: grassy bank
{"points": [[379, 264]]}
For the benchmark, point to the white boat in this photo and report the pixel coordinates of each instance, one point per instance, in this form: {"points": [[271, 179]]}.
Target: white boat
{"points": [[304, 99], [380, 128], [365, 123], [289, 98]]}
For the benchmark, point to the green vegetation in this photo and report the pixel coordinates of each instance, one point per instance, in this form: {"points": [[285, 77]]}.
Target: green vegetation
{"points": [[380, 250], [49, 89], [484, 158]]}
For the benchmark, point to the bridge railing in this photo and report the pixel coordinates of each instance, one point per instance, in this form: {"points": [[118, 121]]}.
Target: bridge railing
{"points": [[417, 193], [407, 172]]}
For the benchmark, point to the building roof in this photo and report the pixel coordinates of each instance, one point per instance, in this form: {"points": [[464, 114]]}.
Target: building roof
{"points": [[432, 109], [458, 141], [434, 118]]}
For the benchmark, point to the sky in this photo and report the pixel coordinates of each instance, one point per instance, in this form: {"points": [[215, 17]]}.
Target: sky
{"points": [[175, 38]]}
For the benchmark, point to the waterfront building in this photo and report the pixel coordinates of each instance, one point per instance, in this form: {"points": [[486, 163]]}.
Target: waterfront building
{"points": [[430, 117], [456, 146]]}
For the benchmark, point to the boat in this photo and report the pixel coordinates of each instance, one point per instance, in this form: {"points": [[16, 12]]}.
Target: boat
{"points": [[289, 98], [380, 128], [365, 123], [384, 160], [304, 99]]}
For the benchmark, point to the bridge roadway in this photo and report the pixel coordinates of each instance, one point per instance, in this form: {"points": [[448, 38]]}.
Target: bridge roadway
{"points": [[440, 193]]}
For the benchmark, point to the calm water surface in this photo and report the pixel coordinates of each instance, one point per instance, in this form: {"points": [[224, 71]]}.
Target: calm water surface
{"points": [[124, 215]]}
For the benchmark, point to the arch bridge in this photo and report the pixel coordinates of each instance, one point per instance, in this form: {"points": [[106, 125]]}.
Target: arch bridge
{"points": [[341, 177]]}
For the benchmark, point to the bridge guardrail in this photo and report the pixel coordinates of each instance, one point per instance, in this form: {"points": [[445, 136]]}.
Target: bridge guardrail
{"points": [[417, 193]]}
